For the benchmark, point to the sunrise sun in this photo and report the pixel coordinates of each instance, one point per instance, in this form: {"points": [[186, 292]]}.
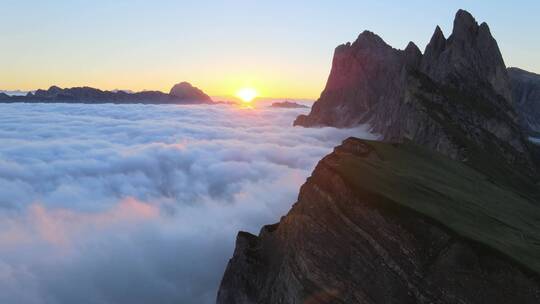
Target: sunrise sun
{"points": [[246, 94]]}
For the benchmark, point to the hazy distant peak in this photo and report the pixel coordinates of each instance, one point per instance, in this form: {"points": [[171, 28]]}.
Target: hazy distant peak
{"points": [[185, 90], [54, 89], [182, 93]]}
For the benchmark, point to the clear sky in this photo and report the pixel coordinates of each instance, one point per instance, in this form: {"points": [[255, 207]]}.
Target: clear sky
{"points": [[282, 48]]}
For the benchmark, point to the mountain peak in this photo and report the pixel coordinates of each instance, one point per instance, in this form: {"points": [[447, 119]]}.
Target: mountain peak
{"points": [[184, 90], [411, 47], [464, 24], [438, 36], [437, 43], [183, 84], [54, 89], [413, 55], [370, 82], [367, 34], [370, 39], [469, 57], [438, 32], [484, 26]]}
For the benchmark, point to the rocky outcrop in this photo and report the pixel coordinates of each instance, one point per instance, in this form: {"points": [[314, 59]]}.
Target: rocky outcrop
{"points": [[288, 105], [469, 58], [366, 78], [182, 93], [185, 91], [393, 223], [526, 96], [455, 98]]}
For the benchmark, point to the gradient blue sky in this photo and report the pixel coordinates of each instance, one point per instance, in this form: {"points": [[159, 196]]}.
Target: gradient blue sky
{"points": [[282, 48]]}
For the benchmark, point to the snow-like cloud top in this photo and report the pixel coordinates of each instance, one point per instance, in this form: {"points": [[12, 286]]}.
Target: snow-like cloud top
{"points": [[141, 203]]}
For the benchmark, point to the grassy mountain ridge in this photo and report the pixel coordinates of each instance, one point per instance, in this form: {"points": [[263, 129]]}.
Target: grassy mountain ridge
{"points": [[450, 192]]}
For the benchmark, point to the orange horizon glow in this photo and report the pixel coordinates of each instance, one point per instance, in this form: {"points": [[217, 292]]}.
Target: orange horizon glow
{"points": [[157, 49], [214, 89], [269, 84]]}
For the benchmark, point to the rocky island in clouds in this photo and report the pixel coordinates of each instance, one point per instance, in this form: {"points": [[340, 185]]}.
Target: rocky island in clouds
{"points": [[181, 93], [445, 209], [288, 105]]}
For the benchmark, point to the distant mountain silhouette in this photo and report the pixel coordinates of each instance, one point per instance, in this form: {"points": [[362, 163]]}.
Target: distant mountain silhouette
{"points": [[287, 104], [185, 91], [14, 92], [182, 93]]}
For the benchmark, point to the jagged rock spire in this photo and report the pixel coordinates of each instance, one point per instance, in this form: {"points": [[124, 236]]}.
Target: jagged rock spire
{"points": [[469, 57], [413, 55], [436, 45], [464, 24], [464, 75]]}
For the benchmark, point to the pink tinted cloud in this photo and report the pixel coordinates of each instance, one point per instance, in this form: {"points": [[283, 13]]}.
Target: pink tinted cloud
{"points": [[58, 226]]}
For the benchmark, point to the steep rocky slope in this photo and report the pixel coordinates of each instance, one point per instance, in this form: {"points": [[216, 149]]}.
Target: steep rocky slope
{"points": [[526, 96], [182, 93], [393, 223], [444, 210], [455, 98]]}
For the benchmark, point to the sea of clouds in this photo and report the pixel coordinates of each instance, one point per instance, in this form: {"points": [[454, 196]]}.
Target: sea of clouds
{"points": [[141, 203]]}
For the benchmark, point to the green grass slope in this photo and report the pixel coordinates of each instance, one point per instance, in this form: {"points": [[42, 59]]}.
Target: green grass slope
{"points": [[463, 199]]}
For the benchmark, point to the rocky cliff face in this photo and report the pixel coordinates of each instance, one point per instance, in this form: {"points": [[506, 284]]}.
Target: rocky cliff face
{"points": [[455, 98], [444, 210], [367, 78], [182, 93], [526, 96], [469, 58], [392, 223]]}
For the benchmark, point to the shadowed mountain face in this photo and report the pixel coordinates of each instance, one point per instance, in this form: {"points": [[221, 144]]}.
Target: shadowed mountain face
{"points": [[455, 98], [526, 96], [392, 223], [444, 210], [185, 91], [182, 93]]}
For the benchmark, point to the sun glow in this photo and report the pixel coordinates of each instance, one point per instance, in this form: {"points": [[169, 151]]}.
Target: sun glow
{"points": [[247, 94]]}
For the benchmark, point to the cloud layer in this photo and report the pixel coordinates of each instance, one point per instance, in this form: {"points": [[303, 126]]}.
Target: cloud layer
{"points": [[140, 203]]}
